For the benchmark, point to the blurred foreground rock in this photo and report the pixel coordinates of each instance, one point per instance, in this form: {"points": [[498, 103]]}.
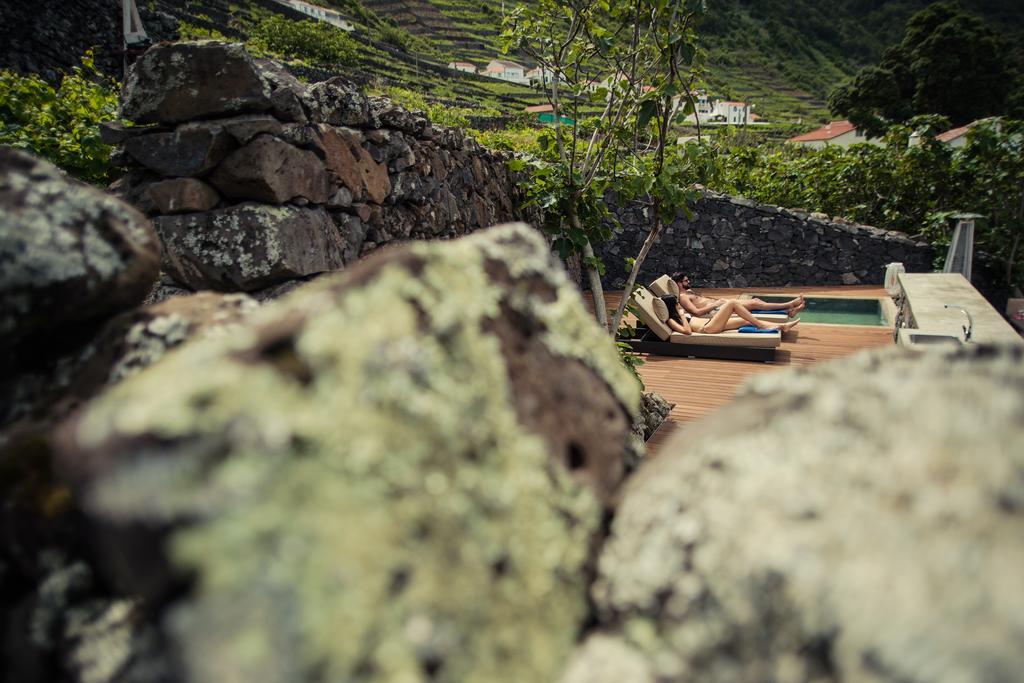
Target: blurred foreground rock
{"points": [[393, 474], [858, 521], [126, 344], [70, 255]]}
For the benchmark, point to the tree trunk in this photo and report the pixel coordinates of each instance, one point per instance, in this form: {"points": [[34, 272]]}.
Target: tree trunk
{"points": [[652, 237], [574, 267], [593, 274], [596, 288]]}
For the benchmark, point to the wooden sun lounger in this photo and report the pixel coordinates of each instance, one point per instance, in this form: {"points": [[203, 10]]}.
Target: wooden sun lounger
{"points": [[665, 286], [657, 338]]}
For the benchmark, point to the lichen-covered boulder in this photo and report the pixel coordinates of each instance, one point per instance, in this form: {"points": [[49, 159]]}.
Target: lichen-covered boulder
{"points": [[139, 338], [124, 345], [856, 521], [69, 253], [172, 83], [270, 170], [249, 246], [392, 474]]}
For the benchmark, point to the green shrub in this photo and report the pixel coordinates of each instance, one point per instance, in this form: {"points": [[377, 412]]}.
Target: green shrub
{"points": [[313, 41], [187, 31], [522, 139], [61, 125], [912, 189], [440, 114]]}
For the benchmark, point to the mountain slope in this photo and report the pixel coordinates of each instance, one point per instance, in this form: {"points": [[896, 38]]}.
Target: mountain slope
{"points": [[782, 57]]}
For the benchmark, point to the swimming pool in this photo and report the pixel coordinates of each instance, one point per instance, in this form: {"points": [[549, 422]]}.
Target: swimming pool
{"points": [[837, 310]]}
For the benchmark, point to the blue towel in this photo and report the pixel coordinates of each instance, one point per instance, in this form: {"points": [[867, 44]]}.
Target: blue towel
{"points": [[750, 329], [779, 312]]}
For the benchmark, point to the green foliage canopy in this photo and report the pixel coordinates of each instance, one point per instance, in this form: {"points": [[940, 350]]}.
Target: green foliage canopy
{"points": [[948, 62]]}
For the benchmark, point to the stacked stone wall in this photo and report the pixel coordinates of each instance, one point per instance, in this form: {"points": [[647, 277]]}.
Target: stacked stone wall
{"points": [[734, 242], [255, 179]]}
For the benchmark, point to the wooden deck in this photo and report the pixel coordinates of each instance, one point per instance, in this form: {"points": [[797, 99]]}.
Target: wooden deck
{"points": [[698, 386]]}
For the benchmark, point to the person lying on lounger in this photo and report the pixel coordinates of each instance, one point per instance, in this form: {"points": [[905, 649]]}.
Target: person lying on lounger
{"points": [[703, 307], [730, 316]]}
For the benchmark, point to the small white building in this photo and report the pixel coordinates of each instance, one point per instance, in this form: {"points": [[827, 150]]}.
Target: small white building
{"points": [[704, 108], [540, 76], [734, 113], [319, 13], [838, 133], [465, 67], [956, 137], [506, 71]]}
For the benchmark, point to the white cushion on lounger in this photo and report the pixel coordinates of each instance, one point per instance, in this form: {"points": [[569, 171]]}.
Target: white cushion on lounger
{"points": [[730, 338], [644, 303], [660, 309], [665, 286]]}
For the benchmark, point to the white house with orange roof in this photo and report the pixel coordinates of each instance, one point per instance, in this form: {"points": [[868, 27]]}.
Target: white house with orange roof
{"points": [[463, 66], [837, 133], [957, 137], [506, 70]]}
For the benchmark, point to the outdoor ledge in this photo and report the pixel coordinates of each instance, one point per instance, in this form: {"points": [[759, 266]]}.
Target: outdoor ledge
{"points": [[927, 295]]}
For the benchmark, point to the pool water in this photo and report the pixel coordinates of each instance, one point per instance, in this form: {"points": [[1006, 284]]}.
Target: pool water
{"points": [[837, 311]]}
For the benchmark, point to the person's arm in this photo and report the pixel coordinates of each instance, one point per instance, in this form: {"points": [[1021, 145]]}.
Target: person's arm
{"points": [[682, 327], [694, 309]]}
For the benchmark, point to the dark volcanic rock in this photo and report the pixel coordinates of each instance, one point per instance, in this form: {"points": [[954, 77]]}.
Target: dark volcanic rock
{"points": [[338, 102], [182, 195], [191, 150], [248, 246], [244, 128], [414, 452], [68, 253], [351, 165], [286, 92], [861, 520], [133, 188], [272, 171], [178, 82]]}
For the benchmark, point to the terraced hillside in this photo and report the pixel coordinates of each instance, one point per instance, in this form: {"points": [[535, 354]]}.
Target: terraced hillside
{"points": [[395, 47], [469, 30]]}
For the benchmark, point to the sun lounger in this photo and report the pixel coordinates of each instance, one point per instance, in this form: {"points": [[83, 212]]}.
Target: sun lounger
{"points": [[666, 286], [659, 339]]}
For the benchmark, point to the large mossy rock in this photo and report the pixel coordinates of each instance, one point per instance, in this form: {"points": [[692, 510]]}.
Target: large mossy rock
{"points": [[857, 521], [172, 83], [249, 246], [69, 254], [396, 473]]}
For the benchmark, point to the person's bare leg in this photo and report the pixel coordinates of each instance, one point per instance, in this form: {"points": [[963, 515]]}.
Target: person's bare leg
{"points": [[763, 305], [722, 319]]}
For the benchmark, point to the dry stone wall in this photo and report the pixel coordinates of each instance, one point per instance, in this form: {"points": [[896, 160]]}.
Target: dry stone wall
{"points": [[254, 178], [735, 242]]}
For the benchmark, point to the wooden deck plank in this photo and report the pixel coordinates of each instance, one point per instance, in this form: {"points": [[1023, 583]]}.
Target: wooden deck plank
{"points": [[700, 386]]}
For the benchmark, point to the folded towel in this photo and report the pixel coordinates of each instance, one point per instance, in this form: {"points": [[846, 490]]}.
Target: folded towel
{"points": [[750, 329], [778, 312]]}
